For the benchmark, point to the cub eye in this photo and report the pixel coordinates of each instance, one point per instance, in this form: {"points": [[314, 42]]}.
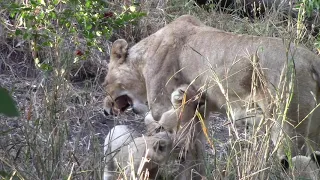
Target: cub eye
{"points": [[161, 148]]}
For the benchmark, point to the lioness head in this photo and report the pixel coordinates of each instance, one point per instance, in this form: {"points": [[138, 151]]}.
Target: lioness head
{"points": [[122, 81]]}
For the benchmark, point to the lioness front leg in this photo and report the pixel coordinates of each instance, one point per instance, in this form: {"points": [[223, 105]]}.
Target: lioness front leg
{"points": [[190, 136], [181, 120]]}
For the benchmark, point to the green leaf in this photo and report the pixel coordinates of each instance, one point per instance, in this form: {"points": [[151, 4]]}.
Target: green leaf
{"points": [[4, 174], [7, 105], [55, 2], [42, 2], [40, 15], [18, 32], [45, 67], [89, 27], [88, 4], [52, 15]]}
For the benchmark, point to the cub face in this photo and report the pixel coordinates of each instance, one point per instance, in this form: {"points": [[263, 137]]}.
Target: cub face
{"points": [[124, 84], [159, 147], [119, 150]]}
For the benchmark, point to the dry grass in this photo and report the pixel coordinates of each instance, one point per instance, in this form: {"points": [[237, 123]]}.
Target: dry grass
{"points": [[60, 132]]}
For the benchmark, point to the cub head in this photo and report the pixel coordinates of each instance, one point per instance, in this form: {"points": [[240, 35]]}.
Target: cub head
{"points": [[159, 147], [124, 84], [304, 167]]}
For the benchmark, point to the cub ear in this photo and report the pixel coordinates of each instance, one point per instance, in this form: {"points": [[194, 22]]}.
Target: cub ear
{"points": [[119, 51], [315, 156]]}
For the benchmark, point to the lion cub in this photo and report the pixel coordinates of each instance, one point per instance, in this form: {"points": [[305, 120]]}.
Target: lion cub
{"points": [[305, 167], [125, 151]]}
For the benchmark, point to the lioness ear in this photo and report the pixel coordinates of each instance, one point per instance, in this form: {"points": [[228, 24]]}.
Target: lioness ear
{"points": [[119, 51]]}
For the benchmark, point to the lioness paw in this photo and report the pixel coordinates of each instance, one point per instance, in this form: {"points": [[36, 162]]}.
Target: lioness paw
{"points": [[177, 95]]}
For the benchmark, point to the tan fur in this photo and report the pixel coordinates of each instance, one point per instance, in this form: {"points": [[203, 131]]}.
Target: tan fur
{"points": [[181, 119], [179, 115], [182, 122], [121, 143], [223, 65]]}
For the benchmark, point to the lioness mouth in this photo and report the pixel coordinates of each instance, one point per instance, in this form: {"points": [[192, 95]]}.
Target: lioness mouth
{"points": [[122, 103]]}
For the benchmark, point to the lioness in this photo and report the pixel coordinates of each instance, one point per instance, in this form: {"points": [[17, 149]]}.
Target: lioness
{"points": [[233, 70], [124, 153]]}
